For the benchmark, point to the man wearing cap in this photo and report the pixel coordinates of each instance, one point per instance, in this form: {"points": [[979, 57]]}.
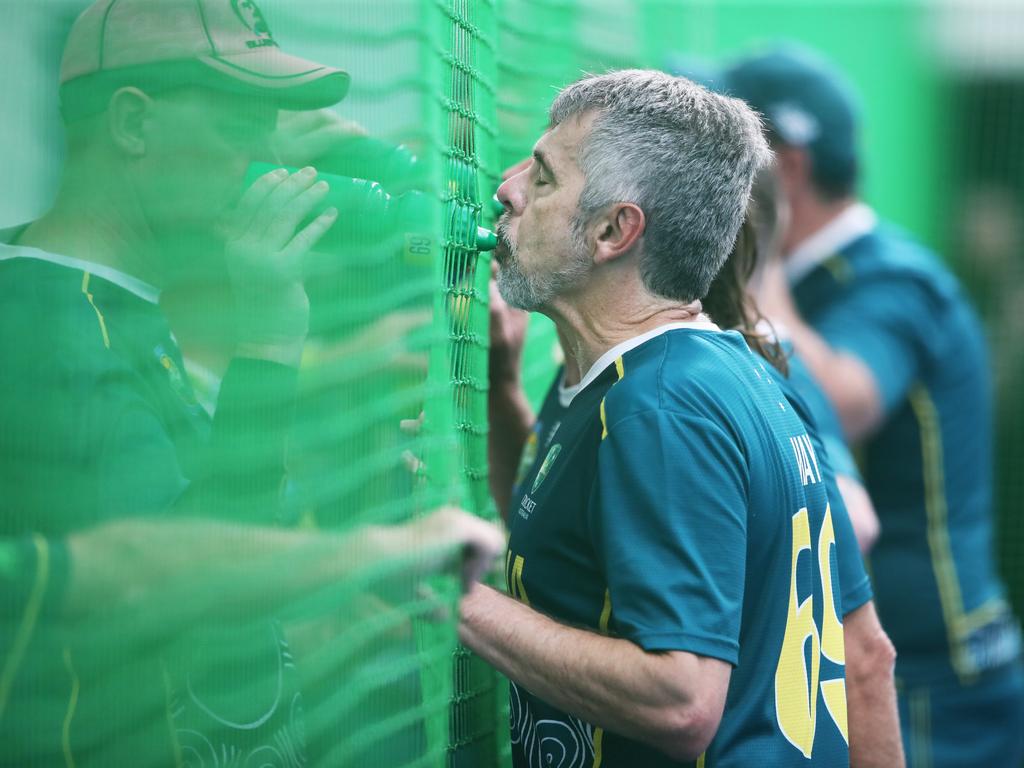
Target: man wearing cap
{"points": [[165, 104], [886, 330]]}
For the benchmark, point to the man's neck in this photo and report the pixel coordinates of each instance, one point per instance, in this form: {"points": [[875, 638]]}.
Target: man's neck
{"points": [[589, 326], [809, 216], [99, 227]]}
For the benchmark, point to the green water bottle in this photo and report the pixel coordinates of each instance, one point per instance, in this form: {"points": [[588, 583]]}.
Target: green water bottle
{"points": [[365, 157], [368, 214]]}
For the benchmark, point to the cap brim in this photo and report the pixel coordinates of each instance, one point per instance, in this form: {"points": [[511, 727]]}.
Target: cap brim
{"points": [[296, 83]]}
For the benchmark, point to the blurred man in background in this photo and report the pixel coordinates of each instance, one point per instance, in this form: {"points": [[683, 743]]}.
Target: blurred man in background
{"points": [[885, 329]]}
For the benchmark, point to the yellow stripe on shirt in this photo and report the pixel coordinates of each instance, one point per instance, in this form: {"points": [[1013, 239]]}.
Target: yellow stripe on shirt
{"points": [[936, 513], [99, 315], [606, 613], [621, 371], [69, 758], [28, 620], [598, 740]]}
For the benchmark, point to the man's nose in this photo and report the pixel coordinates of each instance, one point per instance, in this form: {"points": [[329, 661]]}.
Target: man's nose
{"points": [[511, 193]]}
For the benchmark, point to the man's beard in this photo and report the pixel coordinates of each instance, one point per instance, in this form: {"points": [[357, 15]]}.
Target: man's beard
{"points": [[536, 291]]}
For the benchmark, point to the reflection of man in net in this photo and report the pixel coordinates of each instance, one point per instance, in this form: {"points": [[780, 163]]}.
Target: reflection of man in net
{"points": [[159, 139], [165, 105]]}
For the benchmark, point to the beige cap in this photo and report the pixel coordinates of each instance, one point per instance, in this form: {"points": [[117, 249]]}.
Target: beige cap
{"points": [[230, 37]]}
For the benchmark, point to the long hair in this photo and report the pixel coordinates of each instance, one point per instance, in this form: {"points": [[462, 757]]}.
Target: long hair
{"points": [[731, 307]]}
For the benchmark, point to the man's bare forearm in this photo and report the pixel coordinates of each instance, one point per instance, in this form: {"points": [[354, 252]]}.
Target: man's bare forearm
{"points": [[874, 722], [175, 571], [846, 380], [866, 526], [131, 566], [672, 701]]}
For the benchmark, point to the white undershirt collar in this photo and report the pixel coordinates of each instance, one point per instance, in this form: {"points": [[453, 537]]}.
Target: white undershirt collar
{"points": [[566, 394], [853, 223], [143, 290]]}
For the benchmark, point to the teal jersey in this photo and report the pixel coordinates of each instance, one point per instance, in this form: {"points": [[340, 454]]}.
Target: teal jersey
{"points": [[887, 301], [678, 502], [812, 407], [100, 423], [810, 404], [824, 416], [100, 419]]}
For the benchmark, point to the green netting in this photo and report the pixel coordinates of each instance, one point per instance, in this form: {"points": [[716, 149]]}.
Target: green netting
{"points": [[545, 45], [320, 603], [309, 631]]}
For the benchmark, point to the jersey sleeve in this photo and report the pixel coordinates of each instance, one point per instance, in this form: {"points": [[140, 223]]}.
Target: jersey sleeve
{"points": [[841, 456], [823, 419], [137, 471], [669, 527], [889, 322], [854, 584], [246, 467], [33, 582]]}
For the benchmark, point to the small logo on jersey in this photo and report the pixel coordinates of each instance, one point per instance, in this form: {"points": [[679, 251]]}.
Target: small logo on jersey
{"points": [[551, 434], [545, 468], [250, 15], [529, 456], [176, 378]]}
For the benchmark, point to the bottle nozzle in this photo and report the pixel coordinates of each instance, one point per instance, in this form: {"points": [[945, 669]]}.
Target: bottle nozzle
{"points": [[485, 239]]}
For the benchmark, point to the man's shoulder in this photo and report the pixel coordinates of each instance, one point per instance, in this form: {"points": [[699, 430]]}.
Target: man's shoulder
{"points": [[889, 273], [46, 310], [691, 372], [890, 253], [22, 274]]}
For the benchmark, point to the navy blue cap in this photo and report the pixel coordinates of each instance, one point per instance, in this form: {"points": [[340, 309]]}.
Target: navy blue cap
{"points": [[807, 104]]}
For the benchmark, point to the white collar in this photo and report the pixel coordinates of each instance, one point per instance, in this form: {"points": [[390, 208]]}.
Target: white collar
{"points": [[854, 222], [566, 394], [143, 290]]}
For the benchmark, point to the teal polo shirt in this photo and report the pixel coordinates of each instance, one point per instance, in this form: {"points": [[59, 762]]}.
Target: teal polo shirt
{"points": [[99, 422]]}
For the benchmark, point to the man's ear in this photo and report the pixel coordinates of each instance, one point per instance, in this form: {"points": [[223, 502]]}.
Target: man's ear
{"points": [[127, 113], [617, 230]]}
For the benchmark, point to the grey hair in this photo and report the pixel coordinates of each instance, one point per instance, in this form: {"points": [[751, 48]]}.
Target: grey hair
{"points": [[684, 155]]}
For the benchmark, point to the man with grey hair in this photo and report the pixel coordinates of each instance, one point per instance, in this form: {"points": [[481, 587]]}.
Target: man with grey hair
{"points": [[657, 615]]}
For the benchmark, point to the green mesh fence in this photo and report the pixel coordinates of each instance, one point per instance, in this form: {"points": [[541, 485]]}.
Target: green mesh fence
{"points": [[171, 594], [468, 98], [545, 45]]}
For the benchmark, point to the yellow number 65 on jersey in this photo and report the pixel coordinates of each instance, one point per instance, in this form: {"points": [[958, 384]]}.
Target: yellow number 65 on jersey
{"points": [[796, 687]]}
